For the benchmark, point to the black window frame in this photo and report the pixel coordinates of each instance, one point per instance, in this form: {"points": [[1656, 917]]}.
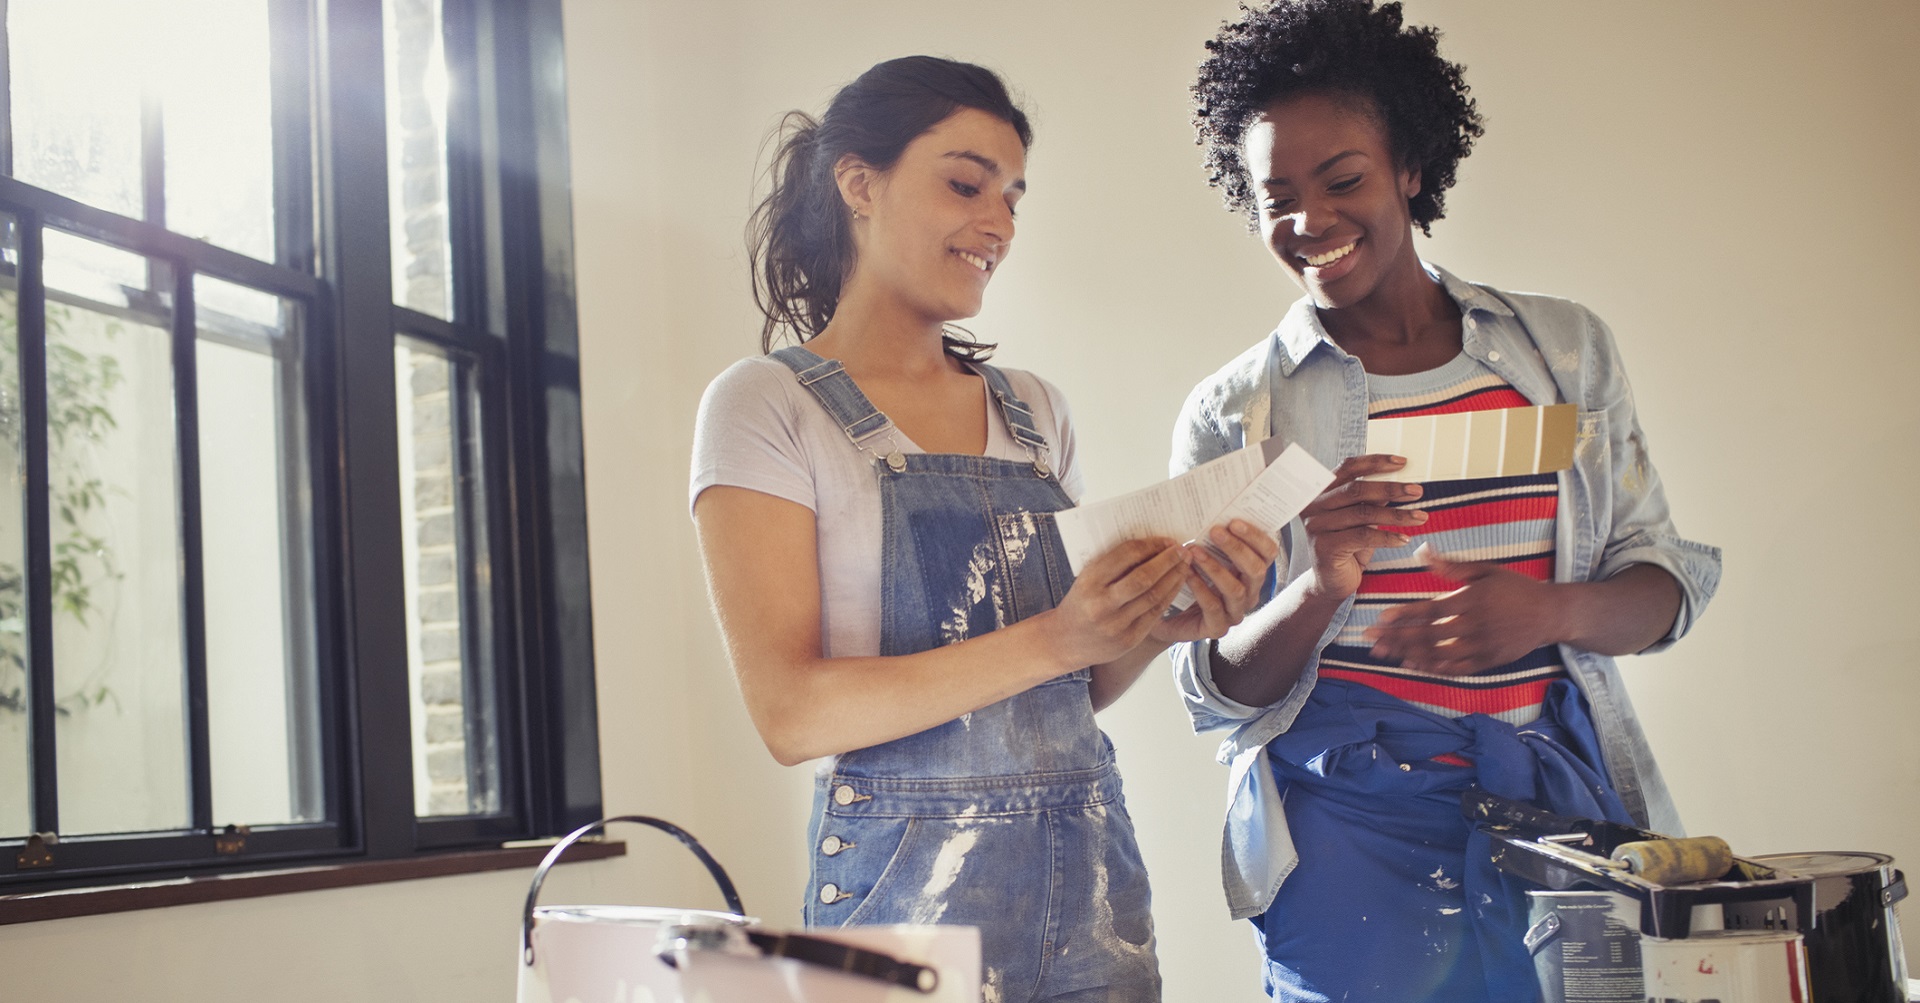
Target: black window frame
{"points": [[513, 338]]}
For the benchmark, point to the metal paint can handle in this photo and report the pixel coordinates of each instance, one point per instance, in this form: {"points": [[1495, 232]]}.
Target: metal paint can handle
{"points": [[553, 857], [676, 942]]}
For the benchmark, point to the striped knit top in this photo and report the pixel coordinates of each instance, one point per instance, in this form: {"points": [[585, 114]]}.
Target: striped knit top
{"points": [[1509, 520]]}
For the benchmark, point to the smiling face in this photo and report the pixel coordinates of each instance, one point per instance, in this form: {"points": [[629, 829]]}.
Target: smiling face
{"points": [[938, 224], [1333, 197]]}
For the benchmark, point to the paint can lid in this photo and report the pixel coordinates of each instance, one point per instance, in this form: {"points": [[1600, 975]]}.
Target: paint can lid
{"points": [[1825, 862]]}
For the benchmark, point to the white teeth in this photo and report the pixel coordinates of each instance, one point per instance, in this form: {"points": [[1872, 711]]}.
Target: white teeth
{"points": [[1322, 260], [974, 259]]}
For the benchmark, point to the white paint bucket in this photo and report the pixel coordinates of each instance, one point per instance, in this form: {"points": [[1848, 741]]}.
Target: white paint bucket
{"points": [[641, 954], [1722, 966], [604, 954], [950, 954], [609, 953]]}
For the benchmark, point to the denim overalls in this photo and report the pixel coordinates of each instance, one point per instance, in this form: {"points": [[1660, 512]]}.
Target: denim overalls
{"points": [[1009, 818]]}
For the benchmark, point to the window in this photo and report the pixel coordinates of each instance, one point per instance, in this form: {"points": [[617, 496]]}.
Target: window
{"points": [[292, 532]]}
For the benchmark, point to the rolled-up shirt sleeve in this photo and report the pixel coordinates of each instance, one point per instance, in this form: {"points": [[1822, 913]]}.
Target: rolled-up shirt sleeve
{"points": [[1641, 527], [1197, 438]]}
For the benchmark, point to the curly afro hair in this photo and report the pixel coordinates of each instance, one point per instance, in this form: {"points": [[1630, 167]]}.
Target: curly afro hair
{"points": [[1343, 48]]}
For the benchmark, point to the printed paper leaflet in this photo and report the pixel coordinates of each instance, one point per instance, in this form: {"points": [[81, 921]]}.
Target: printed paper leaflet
{"points": [[1266, 484]]}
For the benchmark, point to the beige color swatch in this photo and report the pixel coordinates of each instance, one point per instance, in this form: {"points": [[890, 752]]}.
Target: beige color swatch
{"points": [[1499, 443]]}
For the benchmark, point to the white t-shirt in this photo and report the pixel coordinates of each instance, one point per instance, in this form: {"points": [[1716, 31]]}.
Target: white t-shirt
{"points": [[759, 428]]}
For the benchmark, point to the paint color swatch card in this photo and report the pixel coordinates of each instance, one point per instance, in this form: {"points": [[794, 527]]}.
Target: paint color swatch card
{"points": [[1456, 447], [1267, 484]]}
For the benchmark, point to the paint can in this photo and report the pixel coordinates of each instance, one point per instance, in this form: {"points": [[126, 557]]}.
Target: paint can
{"points": [[608, 953], [642, 954], [946, 960], [1722, 966], [604, 953], [1585, 946], [1854, 950]]}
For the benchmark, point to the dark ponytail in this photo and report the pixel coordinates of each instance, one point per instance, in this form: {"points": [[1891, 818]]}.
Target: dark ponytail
{"points": [[801, 235]]}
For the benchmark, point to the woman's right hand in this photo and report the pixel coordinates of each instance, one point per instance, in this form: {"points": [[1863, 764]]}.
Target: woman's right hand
{"points": [[1353, 518], [1116, 600]]}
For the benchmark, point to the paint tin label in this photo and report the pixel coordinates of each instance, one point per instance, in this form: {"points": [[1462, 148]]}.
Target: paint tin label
{"points": [[1586, 946], [1723, 966]]}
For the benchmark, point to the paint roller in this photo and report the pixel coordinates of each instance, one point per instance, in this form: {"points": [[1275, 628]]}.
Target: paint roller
{"points": [[1676, 861]]}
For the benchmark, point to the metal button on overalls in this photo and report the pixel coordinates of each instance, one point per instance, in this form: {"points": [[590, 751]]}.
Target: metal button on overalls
{"points": [[834, 844], [844, 795]]}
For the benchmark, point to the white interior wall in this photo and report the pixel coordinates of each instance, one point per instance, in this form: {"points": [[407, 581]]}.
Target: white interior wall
{"points": [[1727, 183]]}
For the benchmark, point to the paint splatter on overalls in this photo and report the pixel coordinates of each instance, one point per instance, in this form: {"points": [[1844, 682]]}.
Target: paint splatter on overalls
{"points": [[1009, 818]]}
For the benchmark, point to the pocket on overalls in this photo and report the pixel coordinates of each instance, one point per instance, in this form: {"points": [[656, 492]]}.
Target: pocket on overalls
{"points": [[1035, 561], [880, 902], [966, 870], [854, 857]]}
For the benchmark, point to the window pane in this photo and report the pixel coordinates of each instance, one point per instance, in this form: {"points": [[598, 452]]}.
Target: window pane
{"points": [[118, 672], [262, 695], [76, 108], [417, 92], [216, 98], [443, 518], [16, 764], [89, 75]]}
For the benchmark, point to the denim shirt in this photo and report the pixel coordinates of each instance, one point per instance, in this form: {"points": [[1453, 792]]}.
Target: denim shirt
{"points": [[1298, 385]]}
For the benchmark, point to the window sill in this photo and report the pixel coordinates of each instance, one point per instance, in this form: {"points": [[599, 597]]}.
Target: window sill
{"points": [[67, 903]]}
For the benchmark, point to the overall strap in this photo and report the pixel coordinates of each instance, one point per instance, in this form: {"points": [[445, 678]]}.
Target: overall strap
{"points": [[1013, 409], [828, 381]]}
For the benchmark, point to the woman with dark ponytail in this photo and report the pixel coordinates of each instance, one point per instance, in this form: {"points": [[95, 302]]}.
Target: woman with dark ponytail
{"points": [[873, 506]]}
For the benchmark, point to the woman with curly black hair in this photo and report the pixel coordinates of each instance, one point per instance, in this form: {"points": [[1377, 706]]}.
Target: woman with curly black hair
{"points": [[1421, 639]]}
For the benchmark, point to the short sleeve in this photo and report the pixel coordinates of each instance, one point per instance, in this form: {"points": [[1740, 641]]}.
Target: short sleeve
{"points": [[747, 435]]}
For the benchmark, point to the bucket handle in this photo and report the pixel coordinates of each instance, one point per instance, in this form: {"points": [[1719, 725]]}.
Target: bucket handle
{"points": [[553, 857], [677, 942]]}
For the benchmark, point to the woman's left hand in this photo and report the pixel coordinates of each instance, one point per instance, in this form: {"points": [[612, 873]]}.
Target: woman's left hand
{"points": [[1496, 616], [1224, 591]]}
